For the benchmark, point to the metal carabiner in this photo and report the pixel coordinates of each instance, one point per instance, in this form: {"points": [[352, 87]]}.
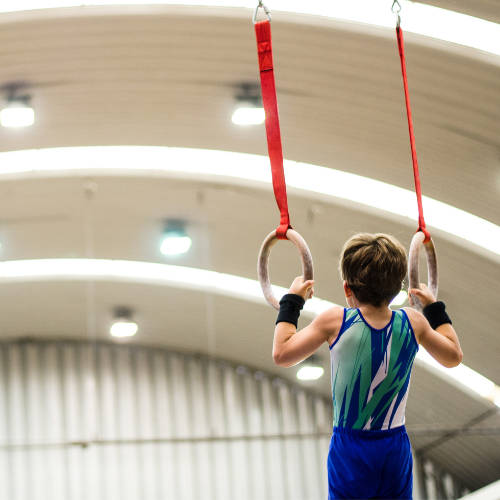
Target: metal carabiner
{"points": [[397, 11], [266, 10], [396, 2]]}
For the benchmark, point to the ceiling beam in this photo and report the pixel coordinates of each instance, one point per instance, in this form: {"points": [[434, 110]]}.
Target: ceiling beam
{"points": [[252, 171], [372, 18], [22, 271]]}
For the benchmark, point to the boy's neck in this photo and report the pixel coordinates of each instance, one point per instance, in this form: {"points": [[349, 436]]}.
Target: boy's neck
{"points": [[376, 316], [370, 310]]}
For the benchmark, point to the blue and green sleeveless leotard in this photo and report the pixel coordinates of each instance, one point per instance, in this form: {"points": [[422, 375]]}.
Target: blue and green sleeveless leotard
{"points": [[371, 372]]}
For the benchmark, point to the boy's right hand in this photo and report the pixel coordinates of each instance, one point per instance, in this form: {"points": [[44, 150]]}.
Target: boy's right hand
{"points": [[301, 287], [424, 294]]}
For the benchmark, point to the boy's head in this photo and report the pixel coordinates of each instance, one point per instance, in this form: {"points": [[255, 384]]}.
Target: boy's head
{"points": [[374, 266]]}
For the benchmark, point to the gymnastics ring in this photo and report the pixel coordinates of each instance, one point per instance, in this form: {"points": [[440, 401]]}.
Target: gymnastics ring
{"points": [[413, 272], [263, 264]]}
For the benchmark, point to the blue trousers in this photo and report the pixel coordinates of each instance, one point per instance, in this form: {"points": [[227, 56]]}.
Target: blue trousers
{"points": [[370, 464]]}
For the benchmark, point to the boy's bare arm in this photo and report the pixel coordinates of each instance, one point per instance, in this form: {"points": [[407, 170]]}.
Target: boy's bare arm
{"points": [[442, 343], [290, 347]]}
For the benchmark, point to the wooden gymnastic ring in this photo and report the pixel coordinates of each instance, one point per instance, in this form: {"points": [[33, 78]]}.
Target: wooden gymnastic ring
{"points": [[263, 264], [432, 267]]}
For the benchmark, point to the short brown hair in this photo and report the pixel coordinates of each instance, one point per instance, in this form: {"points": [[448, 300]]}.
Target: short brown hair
{"points": [[374, 267]]}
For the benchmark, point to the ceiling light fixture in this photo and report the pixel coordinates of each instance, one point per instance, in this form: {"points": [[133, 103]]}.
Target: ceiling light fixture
{"points": [[175, 239], [399, 299], [310, 373], [249, 105], [246, 115], [310, 369], [123, 326], [17, 112]]}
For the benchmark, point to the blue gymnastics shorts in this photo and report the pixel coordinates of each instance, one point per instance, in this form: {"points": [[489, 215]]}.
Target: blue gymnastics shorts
{"points": [[370, 464]]}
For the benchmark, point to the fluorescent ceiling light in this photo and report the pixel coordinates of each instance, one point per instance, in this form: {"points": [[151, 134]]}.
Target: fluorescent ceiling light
{"points": [[147, 273], [204, 281], [465, 376], [311, 181], [124, 329], [418, 18], [17, 116], [174, 245], [249, 116], [399, 299], [310, 373]]}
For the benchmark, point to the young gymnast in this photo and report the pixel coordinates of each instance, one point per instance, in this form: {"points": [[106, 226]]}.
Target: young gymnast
{"points": [[372, 350]]}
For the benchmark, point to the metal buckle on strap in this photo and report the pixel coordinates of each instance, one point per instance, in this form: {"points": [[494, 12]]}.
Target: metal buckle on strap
{"points": [[266, 10], [397, 11]]}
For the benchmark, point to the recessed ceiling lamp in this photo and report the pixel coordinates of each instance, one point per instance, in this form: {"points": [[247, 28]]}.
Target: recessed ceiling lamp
{"points": [[399, 299], [123, 326], [175, 239], [310, 369], [17, 112], [249, 108]]}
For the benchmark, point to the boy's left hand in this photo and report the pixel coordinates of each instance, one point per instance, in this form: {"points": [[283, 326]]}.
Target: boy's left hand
{"points": [[301, 287]]}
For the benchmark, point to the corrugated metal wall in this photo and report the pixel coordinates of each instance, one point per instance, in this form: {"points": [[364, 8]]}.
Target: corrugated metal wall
{"points": [[102, 421], [82, 421], [438, 484]]}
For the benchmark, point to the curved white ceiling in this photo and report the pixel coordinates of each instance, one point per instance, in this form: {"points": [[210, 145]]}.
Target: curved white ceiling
{"points": [[211, 282], [418, 18], [303, 179]]}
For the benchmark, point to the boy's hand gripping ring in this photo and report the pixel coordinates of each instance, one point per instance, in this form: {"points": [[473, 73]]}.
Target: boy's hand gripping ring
{"points": [[263, 264], [432, 268]]}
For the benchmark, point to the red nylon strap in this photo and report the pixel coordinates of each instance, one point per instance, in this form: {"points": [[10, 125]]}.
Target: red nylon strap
{"points": [[265, 49], [421, 221]]}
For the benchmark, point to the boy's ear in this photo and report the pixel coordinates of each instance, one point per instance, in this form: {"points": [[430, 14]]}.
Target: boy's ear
{"points": [[347, 290]]}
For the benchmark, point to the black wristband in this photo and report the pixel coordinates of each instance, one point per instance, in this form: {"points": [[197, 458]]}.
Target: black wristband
{"points": [[290, 307], [436, 315]]}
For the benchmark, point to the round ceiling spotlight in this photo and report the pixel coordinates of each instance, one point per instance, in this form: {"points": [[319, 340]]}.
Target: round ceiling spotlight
{"points": [[175, 240], [123, 326], [310, 370], [17, 111], [400, 298], [249, 109]]}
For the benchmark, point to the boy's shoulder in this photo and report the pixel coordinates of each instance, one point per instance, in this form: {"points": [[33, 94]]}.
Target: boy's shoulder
{"points": [[412, 313], [333, 312], [330, 322], [417, 320]]}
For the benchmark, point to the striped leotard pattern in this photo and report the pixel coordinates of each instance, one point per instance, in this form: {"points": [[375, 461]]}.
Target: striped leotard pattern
{"points": [[371, 372]]}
